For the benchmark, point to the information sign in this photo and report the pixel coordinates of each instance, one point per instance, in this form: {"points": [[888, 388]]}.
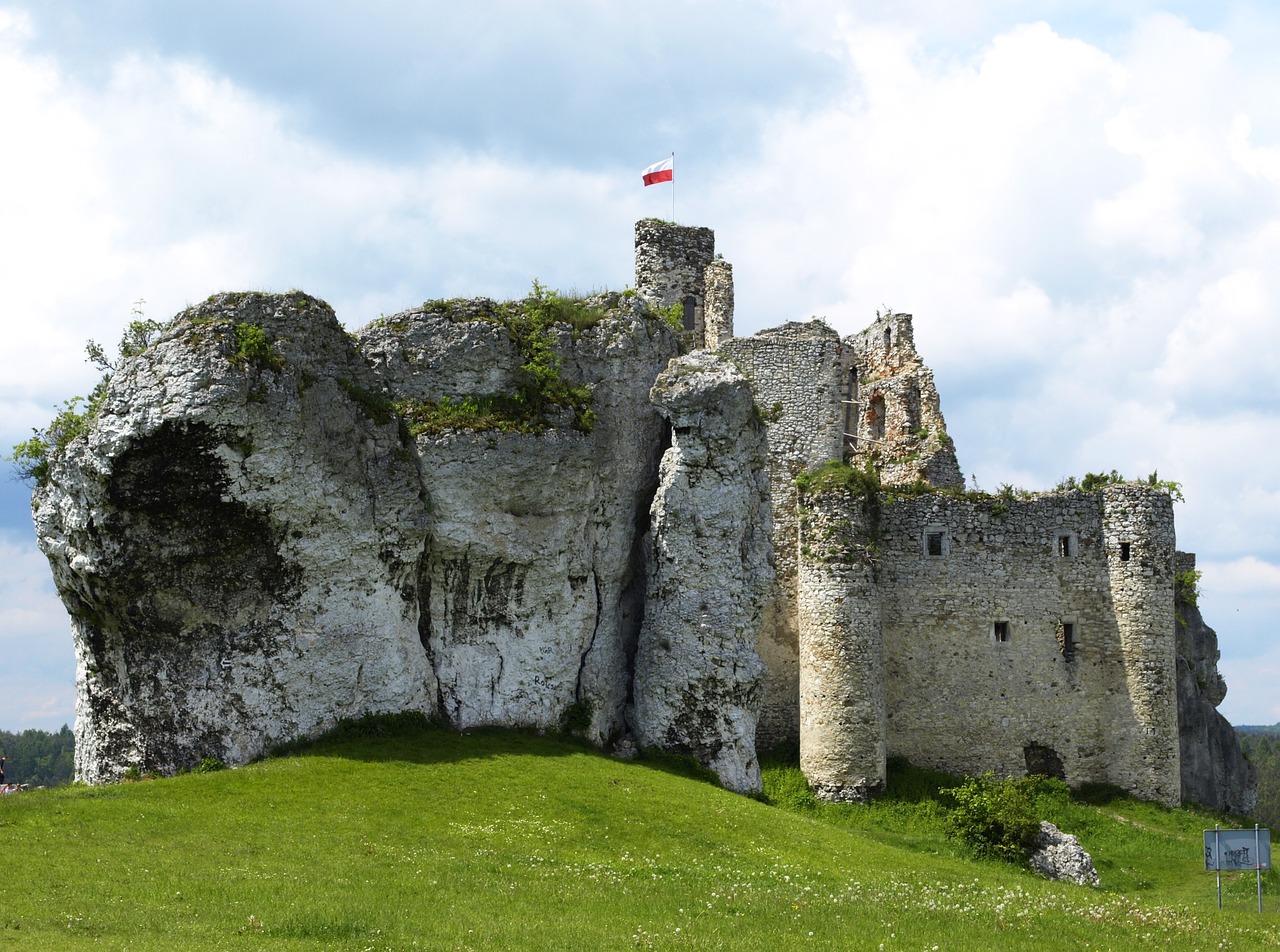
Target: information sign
{"points": [[1232, 850]]}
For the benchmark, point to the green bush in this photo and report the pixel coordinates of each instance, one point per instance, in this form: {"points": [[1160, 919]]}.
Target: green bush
{"points": [[834, 474], [995, 818], [209, 765], [253, 347], [576, 718]]}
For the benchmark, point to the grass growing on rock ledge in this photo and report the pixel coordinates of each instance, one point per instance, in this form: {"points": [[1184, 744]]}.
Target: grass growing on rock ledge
{"points": [[542, 391], [427, 839]]}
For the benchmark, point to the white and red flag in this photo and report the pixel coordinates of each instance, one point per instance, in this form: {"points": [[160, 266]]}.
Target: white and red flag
{"points": [[664, 171]]}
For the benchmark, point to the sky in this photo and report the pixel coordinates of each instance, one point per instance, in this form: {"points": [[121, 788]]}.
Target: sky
{"points": [[1079, 201]]}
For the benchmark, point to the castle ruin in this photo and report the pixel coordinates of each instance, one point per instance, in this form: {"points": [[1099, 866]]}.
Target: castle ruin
{"points": [[250, 550]]}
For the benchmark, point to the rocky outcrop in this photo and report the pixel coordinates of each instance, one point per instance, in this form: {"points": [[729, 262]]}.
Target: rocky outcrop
{"points": [[1059, 856], [252, 545], [1215, 772], [699, 681], [531, 584], [237, 542]]}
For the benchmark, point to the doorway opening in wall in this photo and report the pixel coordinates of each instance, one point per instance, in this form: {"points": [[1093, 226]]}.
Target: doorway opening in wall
{"points": [[690, 306], [1126, 549], [1066, 544], [1044, 760], [851, 414]]}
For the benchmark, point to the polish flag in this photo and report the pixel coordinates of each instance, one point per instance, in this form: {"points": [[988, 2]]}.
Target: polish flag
{"points": [[663, 171]]}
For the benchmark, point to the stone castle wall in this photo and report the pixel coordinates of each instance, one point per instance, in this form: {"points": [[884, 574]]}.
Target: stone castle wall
{"points": [[1016, 638], [795, 371], [718, 309], [894, 417]]}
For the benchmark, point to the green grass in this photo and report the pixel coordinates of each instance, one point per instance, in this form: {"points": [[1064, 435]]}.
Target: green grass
{"points": [[429, 839]]}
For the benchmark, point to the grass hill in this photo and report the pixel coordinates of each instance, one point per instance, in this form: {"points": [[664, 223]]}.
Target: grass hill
{"points": [[427, 839]]}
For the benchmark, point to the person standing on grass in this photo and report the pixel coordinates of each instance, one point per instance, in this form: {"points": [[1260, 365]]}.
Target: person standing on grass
{"points": [[2, 760]]}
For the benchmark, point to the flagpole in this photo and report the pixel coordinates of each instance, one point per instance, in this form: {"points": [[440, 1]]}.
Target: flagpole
{"points": [[673, 188]]}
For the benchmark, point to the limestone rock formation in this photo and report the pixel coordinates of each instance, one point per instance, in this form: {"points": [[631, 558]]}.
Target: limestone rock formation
{"points": [[252, 546], [698, 680], [532, 580], [1215, 772], [1059, 856], [237, 543]]}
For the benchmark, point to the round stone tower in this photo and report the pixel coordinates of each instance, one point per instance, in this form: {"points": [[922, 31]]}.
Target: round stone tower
{"points": [[1138, 538], [842, 707]]}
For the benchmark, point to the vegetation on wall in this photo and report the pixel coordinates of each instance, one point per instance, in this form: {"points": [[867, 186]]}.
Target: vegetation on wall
{"points": [[541, 391], [834, 475], [1092, 482], [1186, 587]]}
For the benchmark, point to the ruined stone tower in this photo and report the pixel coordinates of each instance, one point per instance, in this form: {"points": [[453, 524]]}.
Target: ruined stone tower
{"points": [[677, 264]]}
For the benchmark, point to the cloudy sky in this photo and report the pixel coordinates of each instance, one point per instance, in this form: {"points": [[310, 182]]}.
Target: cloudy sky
{"points": [[1079, 202]]}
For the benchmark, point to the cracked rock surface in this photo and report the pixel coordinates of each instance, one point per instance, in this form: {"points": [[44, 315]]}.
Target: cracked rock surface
{"points": [[699, 681]]}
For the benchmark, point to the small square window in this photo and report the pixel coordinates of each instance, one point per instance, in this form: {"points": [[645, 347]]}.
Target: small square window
{"points": [[933, 543], [1066, 545], [1000, 630], [1126, 549]]}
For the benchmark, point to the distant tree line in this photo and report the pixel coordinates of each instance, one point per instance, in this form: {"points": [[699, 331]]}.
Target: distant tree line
{"points": [[39, 758], [1262, 746]]}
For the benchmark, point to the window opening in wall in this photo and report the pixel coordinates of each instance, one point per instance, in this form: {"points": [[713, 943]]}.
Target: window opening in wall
{"points": [[933, 543], [1000, 630], [888, 338], [690, 307], [1068, 638], [1125, 551], [1066, 544]]}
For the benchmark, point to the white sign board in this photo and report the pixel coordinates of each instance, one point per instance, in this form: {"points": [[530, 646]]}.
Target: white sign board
{"points": [[1231, 850]]}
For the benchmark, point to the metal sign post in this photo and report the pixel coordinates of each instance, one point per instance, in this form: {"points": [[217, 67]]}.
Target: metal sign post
{"points": [[1237, 850]]}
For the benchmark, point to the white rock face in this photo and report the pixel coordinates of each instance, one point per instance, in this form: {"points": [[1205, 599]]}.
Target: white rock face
{"points": [[532, 582], [237, 544], [251, 547], [698, 679]]}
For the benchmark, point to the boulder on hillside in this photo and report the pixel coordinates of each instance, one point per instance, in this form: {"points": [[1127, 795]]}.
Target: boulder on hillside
{"points": [[1059, 856]]}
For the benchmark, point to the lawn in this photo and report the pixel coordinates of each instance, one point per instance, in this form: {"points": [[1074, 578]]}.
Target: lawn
{"points": [[429, 839]]}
